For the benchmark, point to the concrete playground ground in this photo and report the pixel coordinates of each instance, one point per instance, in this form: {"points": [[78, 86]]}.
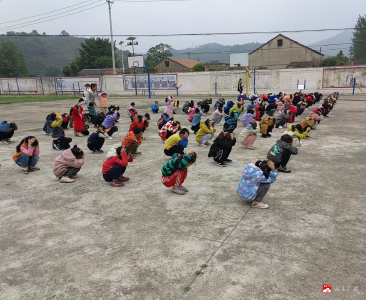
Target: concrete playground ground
{"points": [[87, 240]]}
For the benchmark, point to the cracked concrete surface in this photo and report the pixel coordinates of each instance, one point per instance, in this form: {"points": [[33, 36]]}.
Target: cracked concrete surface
{"points": [[89, 241]]}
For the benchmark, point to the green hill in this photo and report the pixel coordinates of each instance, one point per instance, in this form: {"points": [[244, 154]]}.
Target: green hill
{"points": [[46, 54]]}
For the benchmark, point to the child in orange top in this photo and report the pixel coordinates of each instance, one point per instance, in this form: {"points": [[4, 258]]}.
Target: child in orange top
{"points": [[103, 101]]}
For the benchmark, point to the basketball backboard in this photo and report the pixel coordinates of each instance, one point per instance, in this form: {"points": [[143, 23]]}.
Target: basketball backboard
{"points": [[136, 61], [239, 60]]}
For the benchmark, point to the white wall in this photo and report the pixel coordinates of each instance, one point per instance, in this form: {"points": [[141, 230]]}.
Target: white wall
{"points": [[284, 80]]}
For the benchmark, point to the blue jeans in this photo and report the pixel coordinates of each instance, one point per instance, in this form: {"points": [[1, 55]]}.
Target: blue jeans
{"points": [[26, 161], [217, 119], [206, 137]]}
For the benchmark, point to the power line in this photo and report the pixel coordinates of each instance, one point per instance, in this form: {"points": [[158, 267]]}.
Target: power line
{"points": [[45, 13], [17, 26], [214, 33]]}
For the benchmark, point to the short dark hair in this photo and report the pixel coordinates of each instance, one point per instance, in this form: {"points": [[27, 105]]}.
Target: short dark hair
{"points": [[184, 131], [137, 130], [287, 138], [93, 85], [53, 116], [197, 110], [250, 111], [87, 84], [133, 103]]}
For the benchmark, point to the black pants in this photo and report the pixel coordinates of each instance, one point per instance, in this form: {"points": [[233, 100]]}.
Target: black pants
{"points": [[114, 173], [281, 123], [63, 142], [222, 155], [96, 144], [196, 127], [205, 108], [156, 110], [269, 130], [65, 124], [286, 155], [113, 130], [71, 172], [175, 149], [168, 134], [6, 135]]}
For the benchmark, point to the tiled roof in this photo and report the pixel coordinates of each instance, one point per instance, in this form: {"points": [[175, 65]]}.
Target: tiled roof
{"points": [[185, 62]]}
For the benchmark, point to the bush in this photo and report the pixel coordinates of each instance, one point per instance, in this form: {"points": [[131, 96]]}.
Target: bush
{"points": [[199, 67], [329, 62]]}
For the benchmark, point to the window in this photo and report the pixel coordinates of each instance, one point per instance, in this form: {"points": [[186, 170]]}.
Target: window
{"points": [[279, 43], [167, 64]]}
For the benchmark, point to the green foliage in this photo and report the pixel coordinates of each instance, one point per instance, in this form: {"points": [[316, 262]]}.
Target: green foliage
{"points": [[4, 99], [95, 53], [199, 67], [301, 65], [11, 60], [339, 60], [52, 71], [358, 48], [187, 289], [41, 52], [158, 53], [104, 62], [198, 272]]}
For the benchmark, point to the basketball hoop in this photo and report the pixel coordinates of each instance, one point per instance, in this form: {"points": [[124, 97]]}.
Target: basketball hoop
{"points": [[238, 65]]}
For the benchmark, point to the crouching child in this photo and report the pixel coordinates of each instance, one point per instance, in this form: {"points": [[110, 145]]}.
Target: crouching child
{"points": [[255, 182], [115, 166], [68, 164]]}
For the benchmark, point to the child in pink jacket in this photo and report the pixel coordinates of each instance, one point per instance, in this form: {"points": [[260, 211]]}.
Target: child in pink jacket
{"points": [[27, 154], [68, 164], [191, 113]]}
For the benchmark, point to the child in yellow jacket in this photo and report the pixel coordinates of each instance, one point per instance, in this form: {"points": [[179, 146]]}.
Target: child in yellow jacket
{"points": [[205, 133]]}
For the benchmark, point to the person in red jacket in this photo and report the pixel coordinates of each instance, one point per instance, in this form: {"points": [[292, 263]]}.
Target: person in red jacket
{"points": [[77, 113], [293, 111], [310, 99], [115, 166], [259, 111], [141, 122]]}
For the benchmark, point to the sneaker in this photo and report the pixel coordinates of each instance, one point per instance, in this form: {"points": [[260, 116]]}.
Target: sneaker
{"points": [[100, 151], [283, 170], [65, 179], [33, 169], [250, 148], [203, 145], [222, 164], [110, 137], [78, 134], [25, 171], [117, 184], [280, 127], [300, 116], [256, 204], [9, 141], [135, 153], [178, 191], [184, 189], [95, 152], [268, 135], [264, 136], [4, 142], [228, 160], [123, 179], [57, 147]]}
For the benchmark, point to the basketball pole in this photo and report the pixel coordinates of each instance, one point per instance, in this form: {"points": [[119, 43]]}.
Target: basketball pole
{"points": [[112, 41]]}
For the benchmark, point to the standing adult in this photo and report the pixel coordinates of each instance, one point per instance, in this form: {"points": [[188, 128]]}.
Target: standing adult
{"points": [[90, 96], [240, 86]]}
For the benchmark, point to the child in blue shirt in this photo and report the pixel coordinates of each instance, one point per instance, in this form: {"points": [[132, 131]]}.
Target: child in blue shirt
{"points": [[155, 107], [196, 120]]}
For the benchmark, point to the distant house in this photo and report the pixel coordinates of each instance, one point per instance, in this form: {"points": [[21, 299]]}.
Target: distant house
{"points": [[176, 65], [282, 52]]}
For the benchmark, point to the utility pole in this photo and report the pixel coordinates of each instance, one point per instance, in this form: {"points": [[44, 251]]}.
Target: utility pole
{"points": [[320, 49], [123, 64], [189, 55], [110, 2]]}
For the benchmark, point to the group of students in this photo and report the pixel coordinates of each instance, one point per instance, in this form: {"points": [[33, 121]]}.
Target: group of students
{"points": [[176, 138], [256, 178]]}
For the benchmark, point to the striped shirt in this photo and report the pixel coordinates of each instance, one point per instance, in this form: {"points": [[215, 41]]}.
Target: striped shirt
{"points": [[173, 165]]}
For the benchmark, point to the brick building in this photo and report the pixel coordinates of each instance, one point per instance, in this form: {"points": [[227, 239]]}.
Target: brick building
{"points": [[176, 65], [282, 52]]}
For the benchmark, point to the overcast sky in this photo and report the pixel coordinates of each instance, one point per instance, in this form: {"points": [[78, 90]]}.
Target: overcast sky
{"points": [[195, 16]]}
